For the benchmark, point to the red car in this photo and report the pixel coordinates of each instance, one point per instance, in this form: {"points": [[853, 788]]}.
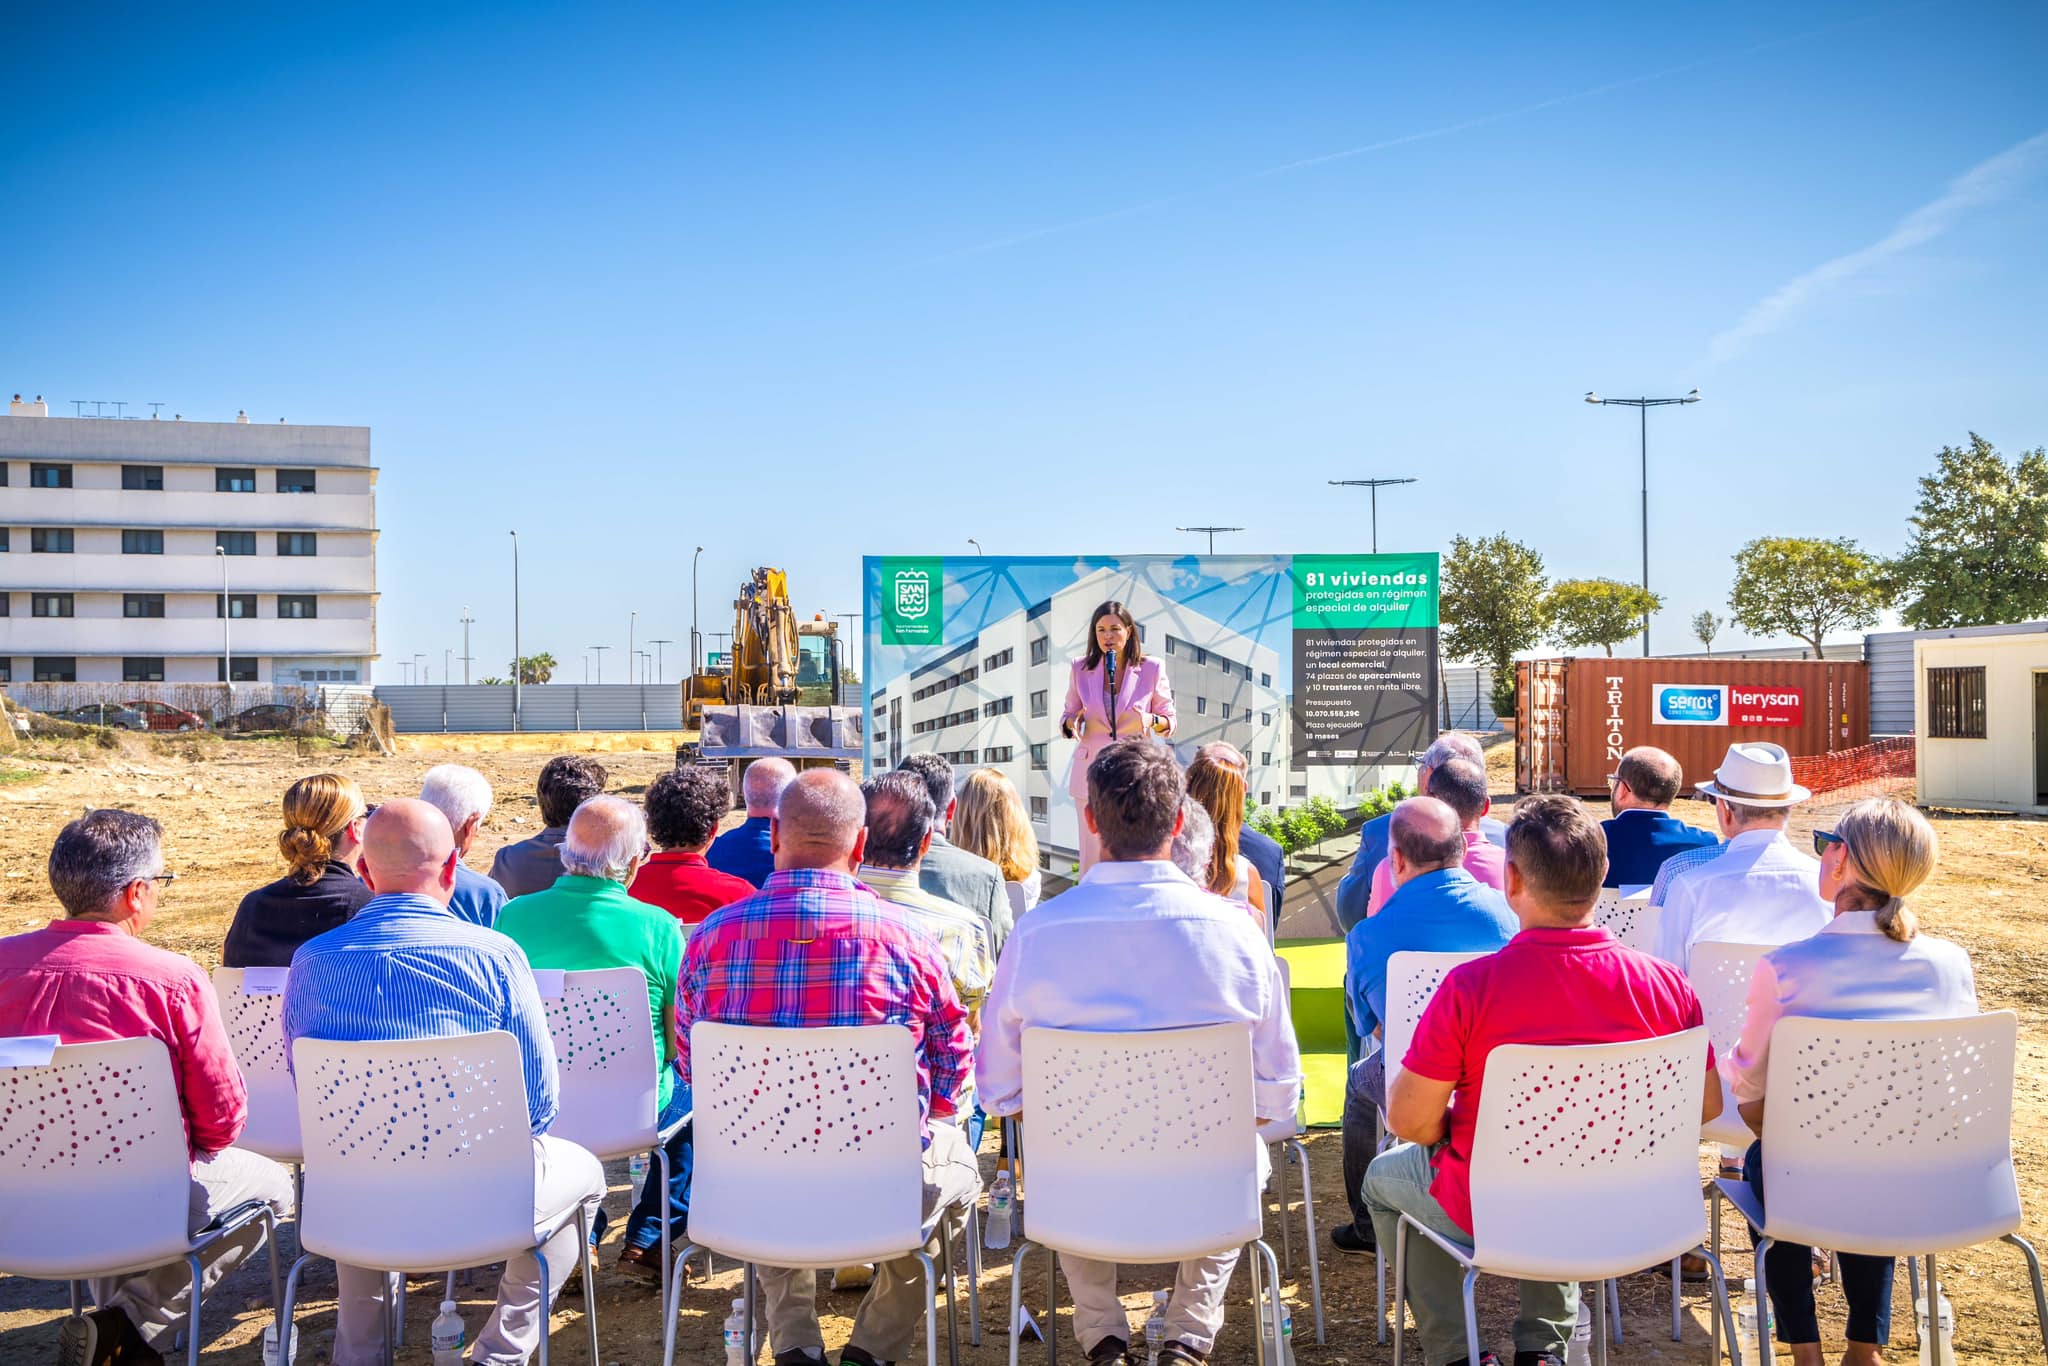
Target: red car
{"points": [[157, 716]]}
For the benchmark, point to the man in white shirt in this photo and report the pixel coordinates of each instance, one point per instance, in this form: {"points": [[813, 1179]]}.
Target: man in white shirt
{"points": [[1759, 890], [1137, 945]]}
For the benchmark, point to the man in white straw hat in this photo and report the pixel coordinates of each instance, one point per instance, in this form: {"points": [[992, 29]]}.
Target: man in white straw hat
{"points": [[1760, 890]]}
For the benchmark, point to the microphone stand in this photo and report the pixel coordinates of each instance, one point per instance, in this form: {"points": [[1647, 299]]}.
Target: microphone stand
{"points": [[1109, 692]]}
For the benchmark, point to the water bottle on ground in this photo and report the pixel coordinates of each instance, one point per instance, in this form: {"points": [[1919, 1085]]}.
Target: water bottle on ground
{"points": [[1155, 1328], [636, 1171], [1286, 1335], [271, 1356], [1579, 1351], [1946, 1329], [1745, 1311], [446, 1336], [1001, 1202], [736, 1335]]}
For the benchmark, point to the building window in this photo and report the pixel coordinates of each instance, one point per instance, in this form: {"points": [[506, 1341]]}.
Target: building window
{"points": [[1265, 799], [235, 542], [1040, 647], [1265, 680], [49, 476], [3, 540], [142, 669], [142, 604], [1298, 792], [297, 607], [6, 664], [1226, 711], [55, 668], [142, 543], [1265, 718], [1000, 707], [49, 604], [1038, 704], [999, 659], [1201, 706], [234, 606], [48, 540], [1038, 756], [298, 543], [295, 481], [234, 481], [998, 754], [1170, 644], [6, 608], [150, 477], [1266, 757], [1038, 809], [1955, 704], [1201, 655], [245, 670]]}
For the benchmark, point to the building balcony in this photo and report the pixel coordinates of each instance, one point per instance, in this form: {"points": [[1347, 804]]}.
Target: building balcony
{"points": [[21, 570], [209, 511], [22, 636]]}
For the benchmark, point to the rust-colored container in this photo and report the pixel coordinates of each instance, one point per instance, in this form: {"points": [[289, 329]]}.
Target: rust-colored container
{"points": [[1577, 716]]}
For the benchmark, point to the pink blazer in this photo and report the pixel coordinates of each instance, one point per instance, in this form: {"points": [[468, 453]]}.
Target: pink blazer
{"points": [[1138, 690]]}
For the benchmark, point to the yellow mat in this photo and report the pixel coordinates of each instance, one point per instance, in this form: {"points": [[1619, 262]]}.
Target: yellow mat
{"points": [[1316, 974]]}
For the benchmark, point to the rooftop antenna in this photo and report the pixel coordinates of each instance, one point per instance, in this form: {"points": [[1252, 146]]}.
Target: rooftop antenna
{"points": [[1210, 532], [155, 409]]}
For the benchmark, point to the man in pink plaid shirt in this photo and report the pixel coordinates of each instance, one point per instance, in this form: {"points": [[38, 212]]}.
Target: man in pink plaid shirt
{"points": [[814, 948]]}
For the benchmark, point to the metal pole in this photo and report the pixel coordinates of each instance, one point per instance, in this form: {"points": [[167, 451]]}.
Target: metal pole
{"points": [[1374, 485], [1375, 519], [1644, 413], [515, 631], [599, 650], [632, 630], [660, 669], [696, 658], [467, 619]]}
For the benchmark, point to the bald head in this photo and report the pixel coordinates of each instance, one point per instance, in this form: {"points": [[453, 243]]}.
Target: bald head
{"points": [[1646, 777], [819, 822], [408, 847], [607, 838], [1424, 835], [762, 787]]}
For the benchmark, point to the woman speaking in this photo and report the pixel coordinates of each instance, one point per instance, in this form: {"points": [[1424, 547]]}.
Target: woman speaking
{"points": [[1113, 693]]}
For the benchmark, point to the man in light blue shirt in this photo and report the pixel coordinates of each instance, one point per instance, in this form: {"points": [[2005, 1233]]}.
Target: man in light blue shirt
{"points": [[464, 796], [405, 967], [744, 851]]}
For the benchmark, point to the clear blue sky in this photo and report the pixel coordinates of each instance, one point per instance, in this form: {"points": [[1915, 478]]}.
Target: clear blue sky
{"points": [[800, 283]]}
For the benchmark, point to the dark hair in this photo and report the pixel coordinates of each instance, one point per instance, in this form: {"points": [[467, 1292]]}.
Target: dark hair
{"points": [[1420, 845], [936, 774], [1559, 849], [900, 815], [1651, 774], [685, 805], [1135, 789], [1460, 785], [100, 854], [566, 782], [1134, 653]]}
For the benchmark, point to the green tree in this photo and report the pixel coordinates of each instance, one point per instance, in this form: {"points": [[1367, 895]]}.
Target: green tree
{"points": [[1705, 627], [534, 668], [1492, 603], [1979, 552], [1806, 587], [1588, 612]]}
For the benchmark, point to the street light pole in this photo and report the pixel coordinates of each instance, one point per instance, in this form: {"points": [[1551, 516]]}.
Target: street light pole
{"points": [[516, 669], [1642, 407], [976, 544], [599, 651], [1375, 485], [467, 622], [1210, 532], [696, 656], [632, 649], [658, 653]]}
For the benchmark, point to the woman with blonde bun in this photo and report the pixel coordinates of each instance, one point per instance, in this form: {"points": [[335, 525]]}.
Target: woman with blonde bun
{"points": [[321, 839]]}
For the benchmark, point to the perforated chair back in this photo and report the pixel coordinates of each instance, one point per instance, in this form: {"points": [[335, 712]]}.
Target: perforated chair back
{"points": [[1891, 1137], [807, 1145], [1720, 975], [250, 1010], [1412, 979], [1142, 1144], [1585, 1164], [605, 1055], [93, 1173], [1608, 904], [418, 1152], [1631, 919]]}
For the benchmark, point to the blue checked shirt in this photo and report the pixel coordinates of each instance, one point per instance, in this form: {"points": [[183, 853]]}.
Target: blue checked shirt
{"points": [[405, 967], [1683, 861]]}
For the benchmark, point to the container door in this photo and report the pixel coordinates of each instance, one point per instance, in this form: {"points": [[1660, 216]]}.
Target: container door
{"points": [[2041, 739]]}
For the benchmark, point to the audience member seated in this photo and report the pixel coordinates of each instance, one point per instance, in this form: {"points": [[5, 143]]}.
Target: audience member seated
{"points": [[1437, 907], [322, 837], [900, 826], [837, 955], [684, 807], [531, 865], [1355, 890], [464, 796], [1137, 945], [1561, 980], [408, 968], [951, 872], [1760, 890], [88, 978], [1194, 843], [989, 821], [1870, 962], [1268, 859], [1461, 785], [744, 851], [1643, 833], [1220, 789]]}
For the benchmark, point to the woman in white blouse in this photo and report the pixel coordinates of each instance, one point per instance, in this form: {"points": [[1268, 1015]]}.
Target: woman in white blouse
{"points": [[1869, 963], [990, 821]]}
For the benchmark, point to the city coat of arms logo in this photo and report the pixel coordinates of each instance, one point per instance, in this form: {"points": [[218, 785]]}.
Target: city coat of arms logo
{"points": [[913, 594]]}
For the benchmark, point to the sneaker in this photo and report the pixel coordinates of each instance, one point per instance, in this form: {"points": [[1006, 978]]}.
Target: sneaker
{"points": [[851, 1355], [856, 1277], [1351, 1238], [105, 1337], [1111, 1351]]}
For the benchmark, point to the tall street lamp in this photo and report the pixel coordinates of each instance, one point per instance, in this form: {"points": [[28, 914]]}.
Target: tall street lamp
{"points": [[696, 641], [632, 648], [1210, 532], [599, 650], [516, 669], [1642, 407], [976, 544], [658, 653], [1375, 485]]}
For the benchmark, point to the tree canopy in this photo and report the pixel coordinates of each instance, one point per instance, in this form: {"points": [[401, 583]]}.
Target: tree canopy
{"points": [[1491, 602], [1806, 587], [1603, 612], [538, 668], [1979, 550], [1705, 627]]}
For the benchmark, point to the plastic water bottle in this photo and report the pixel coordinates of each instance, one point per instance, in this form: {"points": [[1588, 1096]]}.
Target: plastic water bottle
{"points": [[1001, 1203], [1745, 1311], [446, 1336], [636, 1170], [1947, 1330], [1155, 1328], [1579, 1351], [736, 1335], [270, 1352], [1286, 1336]]}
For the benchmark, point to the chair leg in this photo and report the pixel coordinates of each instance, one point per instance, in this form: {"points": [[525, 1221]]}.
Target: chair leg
{"points": [[398, 1314], [671, 1302], [291, 1294], [1379, 1287], [1472, 1315], [750, 1294], [1400, 1289], [1052, 1308], [1260, 1325], [546, 1302], [1286, 1227], [1016, 1301], [1261, 1248], [1714, 1258], [269, 1218], [931, 1309], [1315, 1263], [590, 1277], [1720, 1312], [1763, 1303], [1934, 1351], [952, 1291], [2034, 1274], [77, 1298], [1912, 1279], [1603, 1295], [1677, 1302], [192, 1310], [661, 1161], [973, 1275], [1613, 1302]]}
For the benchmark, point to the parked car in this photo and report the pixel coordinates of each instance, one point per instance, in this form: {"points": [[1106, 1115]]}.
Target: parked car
{"points": [[270, 716], [159, 716], [112, 714]]}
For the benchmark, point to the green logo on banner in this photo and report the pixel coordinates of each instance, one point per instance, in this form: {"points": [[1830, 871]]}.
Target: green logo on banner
{"points": [[1364, 592], [913, 600]]}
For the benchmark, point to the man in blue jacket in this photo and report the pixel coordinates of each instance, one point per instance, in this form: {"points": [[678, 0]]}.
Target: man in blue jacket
{"points": [[1643, 832]]}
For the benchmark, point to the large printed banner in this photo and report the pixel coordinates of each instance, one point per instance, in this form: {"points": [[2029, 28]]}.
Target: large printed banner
{"points": [[1321, 668]]}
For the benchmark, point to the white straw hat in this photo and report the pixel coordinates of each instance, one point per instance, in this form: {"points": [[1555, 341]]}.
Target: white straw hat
{"points": [[1755, 774]]}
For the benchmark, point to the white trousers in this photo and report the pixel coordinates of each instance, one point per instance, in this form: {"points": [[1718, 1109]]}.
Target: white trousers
{"points": [[564, 1175]]}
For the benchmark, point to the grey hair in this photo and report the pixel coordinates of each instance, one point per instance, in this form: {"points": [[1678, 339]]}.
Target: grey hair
{"points": [[762, 786], [614, 858], [457, 793], [99, 855], [1453, 744], [1196, 843]]}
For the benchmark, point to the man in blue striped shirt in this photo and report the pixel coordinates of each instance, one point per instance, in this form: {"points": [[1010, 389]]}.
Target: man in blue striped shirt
{"points": [[405, 967]]}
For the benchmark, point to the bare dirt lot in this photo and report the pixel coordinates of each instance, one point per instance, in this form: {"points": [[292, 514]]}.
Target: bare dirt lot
{"points": [[218, 802]]}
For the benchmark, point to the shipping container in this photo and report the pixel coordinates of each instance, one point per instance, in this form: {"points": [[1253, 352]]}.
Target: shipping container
{"points": [[1576, 717]]}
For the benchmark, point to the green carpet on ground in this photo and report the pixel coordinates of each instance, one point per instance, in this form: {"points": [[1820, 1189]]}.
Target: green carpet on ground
{"points": [[1316, 973]]}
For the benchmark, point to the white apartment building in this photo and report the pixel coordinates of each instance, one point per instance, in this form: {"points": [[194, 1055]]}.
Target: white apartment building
{"points": [[143, 550]]}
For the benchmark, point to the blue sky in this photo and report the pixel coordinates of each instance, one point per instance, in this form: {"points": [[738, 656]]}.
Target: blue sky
{"points": [[803, 283]]}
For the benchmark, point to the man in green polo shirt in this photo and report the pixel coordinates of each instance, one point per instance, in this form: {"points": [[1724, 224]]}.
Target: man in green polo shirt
{"points": [[586, 921]]}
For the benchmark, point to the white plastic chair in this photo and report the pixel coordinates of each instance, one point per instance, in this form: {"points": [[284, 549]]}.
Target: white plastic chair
{"points": [[1143, 1150], [1891, 1138], [1571, 1183], [419, 1160], [100, 1184], [1720, 975], [775, 1149], [1285, 1134], [1632, 920], [251, 1000]]}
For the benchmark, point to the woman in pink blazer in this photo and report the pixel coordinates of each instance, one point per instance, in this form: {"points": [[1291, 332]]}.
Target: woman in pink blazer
{"points": [[1143, 704]]}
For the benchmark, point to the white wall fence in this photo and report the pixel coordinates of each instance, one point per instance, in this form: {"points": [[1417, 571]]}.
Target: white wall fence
{"points": [[340, 707], [480, 708]]}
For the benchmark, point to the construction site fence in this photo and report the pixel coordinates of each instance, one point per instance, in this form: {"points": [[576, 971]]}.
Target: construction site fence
{"points": [[334, 709], [489, 708], [1882, 768]]}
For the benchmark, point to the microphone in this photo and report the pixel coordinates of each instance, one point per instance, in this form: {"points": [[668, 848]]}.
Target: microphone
{"points": [[1109, 689]]}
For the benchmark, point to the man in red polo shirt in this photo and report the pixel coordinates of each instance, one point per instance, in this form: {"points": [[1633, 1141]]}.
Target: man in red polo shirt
{"points": [[1562, 980], [684, 806]]}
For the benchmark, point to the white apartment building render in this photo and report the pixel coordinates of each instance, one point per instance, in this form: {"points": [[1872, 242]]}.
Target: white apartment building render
{"points": [[115, 535]]}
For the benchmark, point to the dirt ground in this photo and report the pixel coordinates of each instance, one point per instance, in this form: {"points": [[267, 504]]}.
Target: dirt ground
{"points": [[218, 802]]}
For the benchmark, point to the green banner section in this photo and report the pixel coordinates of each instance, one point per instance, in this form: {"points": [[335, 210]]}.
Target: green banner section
{"points": [[1364, 592], [913, 593]]}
